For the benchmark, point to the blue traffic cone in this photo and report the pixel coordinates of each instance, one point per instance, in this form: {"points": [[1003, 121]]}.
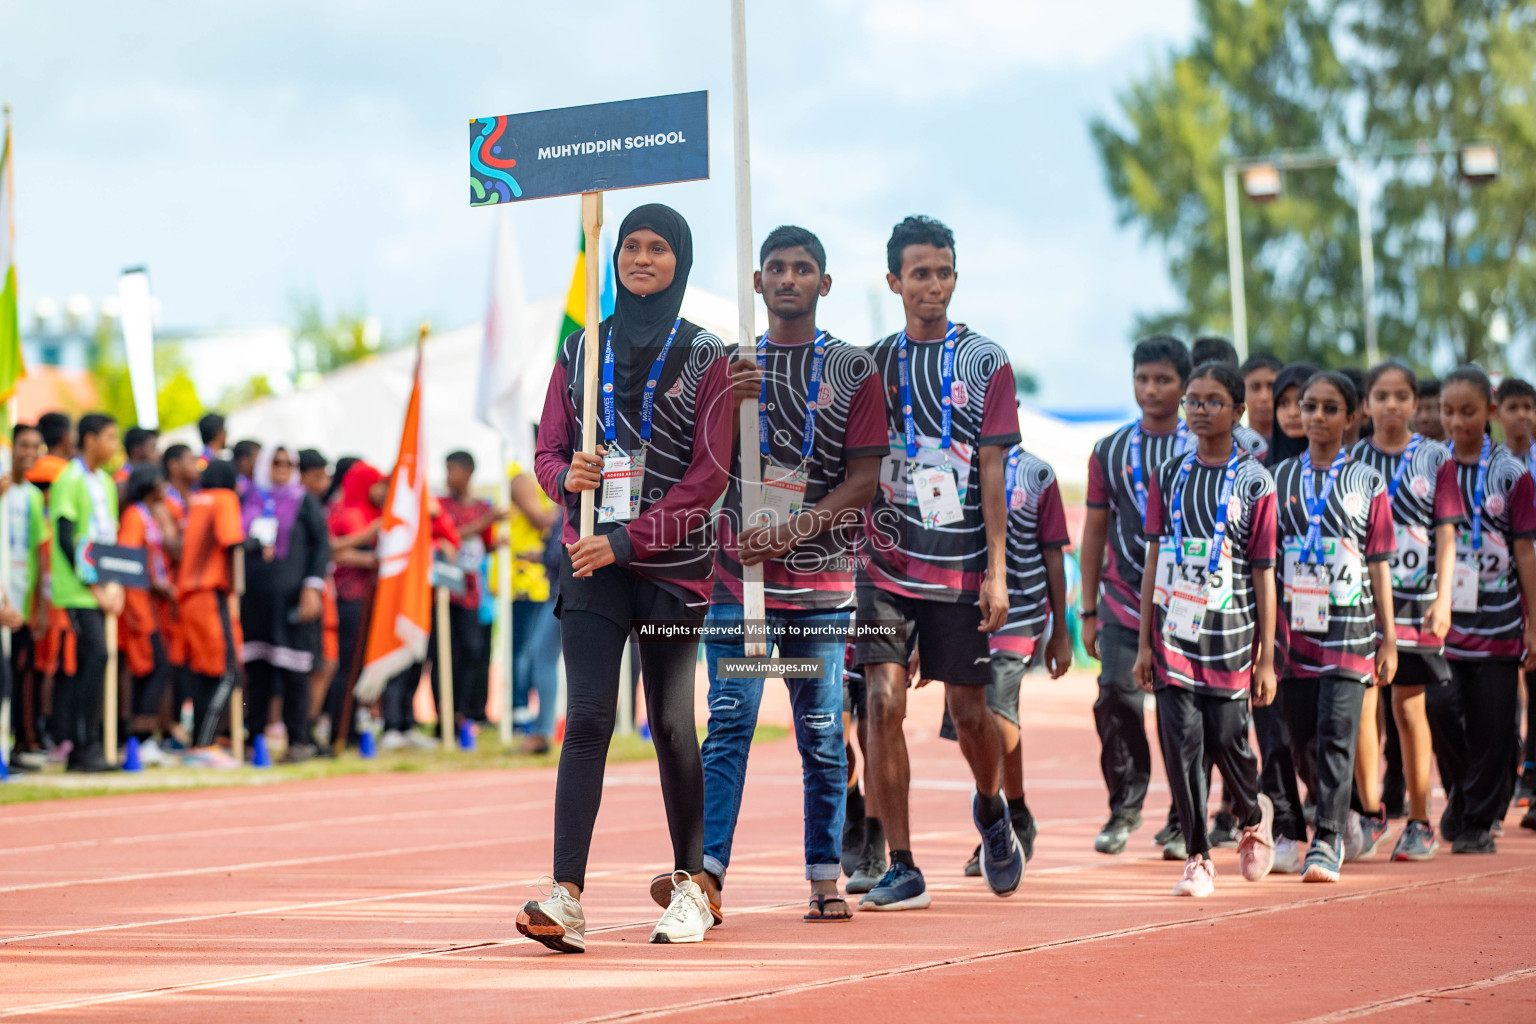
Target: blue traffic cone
{"points": [[645, 731], [132, 761], [261, 757], [467, 736], [366, 747], [5, 771]]}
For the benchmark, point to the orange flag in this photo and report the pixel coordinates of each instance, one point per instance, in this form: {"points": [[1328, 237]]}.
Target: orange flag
{"points": [[402, 603]]}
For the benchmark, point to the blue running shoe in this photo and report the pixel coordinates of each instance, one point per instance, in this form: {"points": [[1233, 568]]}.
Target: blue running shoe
{"points": [[1324, 861], [1002, 859], [902, 888]]}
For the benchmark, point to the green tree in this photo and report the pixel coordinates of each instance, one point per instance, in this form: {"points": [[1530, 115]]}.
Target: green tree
{"points": [[1266, 75], [258, 386], [1457, 273], [324, 342], [176, 396]]}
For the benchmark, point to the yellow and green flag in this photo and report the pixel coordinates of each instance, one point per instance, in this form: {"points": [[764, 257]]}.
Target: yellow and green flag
{"points": [[576, 299], [11, 368]]}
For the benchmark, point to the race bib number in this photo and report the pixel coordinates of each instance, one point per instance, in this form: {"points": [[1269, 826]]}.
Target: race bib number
{"points": [[622, 475], [1309, 599], [264, 531], [1217, 586], [937, 498], [1411, 564], [1464, 587], [896, 469], [1491, 561], [1342, 569], [1186, 610], [783, 494]]}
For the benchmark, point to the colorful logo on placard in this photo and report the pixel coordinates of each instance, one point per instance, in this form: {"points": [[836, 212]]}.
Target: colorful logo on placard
{"points": [[489, 181]]}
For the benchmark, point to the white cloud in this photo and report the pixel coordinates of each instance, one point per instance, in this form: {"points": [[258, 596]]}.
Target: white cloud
{"points": [[919, 48]]}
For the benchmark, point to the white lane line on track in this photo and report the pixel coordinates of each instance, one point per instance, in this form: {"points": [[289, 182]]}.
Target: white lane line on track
{"points": [[960, 961], [456, 890], [287, 826], [1415, 998], [268, 976], [244, 794]]}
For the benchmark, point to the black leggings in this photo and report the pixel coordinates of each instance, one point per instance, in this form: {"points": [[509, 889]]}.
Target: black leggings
{"points": [[149, 689], [211, 694], [1469, 722], [593, 644], [1197, 731], [77, 698], [349, 633], [262, 681], [1324, 718]]}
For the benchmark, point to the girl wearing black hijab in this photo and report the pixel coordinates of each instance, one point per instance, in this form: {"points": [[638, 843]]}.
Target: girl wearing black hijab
{"points": [[1287, 439], [665, 435]]}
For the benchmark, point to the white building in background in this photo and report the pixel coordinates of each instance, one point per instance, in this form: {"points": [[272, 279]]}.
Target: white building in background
{"points": [[227, 357]]}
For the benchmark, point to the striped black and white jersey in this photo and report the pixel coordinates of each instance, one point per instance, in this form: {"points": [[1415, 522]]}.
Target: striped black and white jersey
{"points": [[1426, 497], [1111, 486], [902, 554], [1356, 531], [1220, 662], [816, 573], [1249, 441], [1497, 628], [1036, 521]]}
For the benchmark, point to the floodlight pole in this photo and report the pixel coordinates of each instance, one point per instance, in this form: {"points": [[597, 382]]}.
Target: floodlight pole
{"points": [[1235, 265], [1367, 263], [1296, 160]]}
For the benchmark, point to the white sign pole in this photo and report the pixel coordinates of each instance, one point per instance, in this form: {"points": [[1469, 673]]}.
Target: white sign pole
{"points": [[753, 610]]}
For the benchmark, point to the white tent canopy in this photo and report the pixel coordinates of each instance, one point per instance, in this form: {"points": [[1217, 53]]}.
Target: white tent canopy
{"points": [[359, 409]]}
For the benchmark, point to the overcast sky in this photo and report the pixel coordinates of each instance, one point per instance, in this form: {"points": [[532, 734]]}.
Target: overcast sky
{"points": [[249, 152]]}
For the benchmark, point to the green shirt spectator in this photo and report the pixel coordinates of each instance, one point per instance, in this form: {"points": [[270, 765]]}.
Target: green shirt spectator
{"points": [[85, 499]]}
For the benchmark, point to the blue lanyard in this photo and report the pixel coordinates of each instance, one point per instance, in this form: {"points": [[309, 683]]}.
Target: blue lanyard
{"points": [[1138, 473], [1013, 471], [946, 384], [1316, 505], [1478, 487], [1175, 512], [647, 401], [808, 436], [1402, 466]]}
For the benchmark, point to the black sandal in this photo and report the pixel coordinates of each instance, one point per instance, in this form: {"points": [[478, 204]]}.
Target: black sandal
{"points": [[818, 911]]}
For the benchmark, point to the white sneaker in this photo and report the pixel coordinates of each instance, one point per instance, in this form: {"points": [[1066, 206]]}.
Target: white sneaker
{"points": [[322, 731], [687, 917], [557, 921], [393, 739], [1354, 837], [1199, 878], [421, 741], [1288, 856], [1256, 845], [150, 754]]}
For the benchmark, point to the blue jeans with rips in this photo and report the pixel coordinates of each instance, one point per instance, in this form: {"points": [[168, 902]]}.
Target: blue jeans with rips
{"points": [[818, 714]]}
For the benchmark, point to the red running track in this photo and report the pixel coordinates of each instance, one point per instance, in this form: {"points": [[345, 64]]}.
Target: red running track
{"points": [[387, 898]]}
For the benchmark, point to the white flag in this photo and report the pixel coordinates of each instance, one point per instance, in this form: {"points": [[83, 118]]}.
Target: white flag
{"points": [[137, 319], [514, 368]]}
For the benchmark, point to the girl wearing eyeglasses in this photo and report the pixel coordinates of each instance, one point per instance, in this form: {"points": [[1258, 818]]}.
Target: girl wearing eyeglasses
{"points": [[1336, 537], [1207, 623]]}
